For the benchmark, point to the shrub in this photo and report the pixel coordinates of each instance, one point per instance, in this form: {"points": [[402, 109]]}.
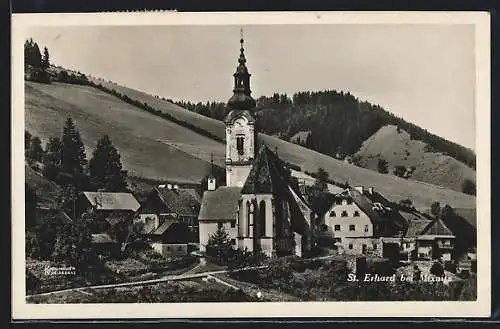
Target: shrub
{"points": [[437, 269]]}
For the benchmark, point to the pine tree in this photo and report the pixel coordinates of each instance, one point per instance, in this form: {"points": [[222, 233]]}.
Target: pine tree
{"points": [[45, 59], [52, 158], [35, 151], [73, 157], [105, 168]]}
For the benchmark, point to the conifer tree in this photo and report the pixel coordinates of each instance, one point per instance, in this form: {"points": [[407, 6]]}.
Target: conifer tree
{"points": [[52, 158], [35, 151], [45, 59], [105, 167], [73, 158]]}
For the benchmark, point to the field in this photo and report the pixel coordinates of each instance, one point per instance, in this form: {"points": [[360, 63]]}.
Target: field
{"points": [[137, 133], [399, 149]]}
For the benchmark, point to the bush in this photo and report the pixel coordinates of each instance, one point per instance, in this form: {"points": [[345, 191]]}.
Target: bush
{"points": [[437, 269], [450, 267]]}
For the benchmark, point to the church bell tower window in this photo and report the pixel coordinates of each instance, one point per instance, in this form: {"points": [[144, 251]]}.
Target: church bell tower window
{"points": [[239, 145]]}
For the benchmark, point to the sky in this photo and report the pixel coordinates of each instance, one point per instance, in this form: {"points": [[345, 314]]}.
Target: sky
{"points": [[423, 73]]}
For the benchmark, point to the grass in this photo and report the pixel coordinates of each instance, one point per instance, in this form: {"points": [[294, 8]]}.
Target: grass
{"points": [[46, 190], [399, 149], [136, 134]]}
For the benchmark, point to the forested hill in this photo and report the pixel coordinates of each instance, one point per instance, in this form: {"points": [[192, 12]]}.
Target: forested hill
{"points": [[336, 123]]}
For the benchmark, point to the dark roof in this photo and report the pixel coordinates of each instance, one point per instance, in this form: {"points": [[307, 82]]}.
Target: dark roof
{"points": [[268, 174], [364, 204], [44, 212], [436, 227], [102, 238], [184, 202], [112, 201], [164, 227], [415, 227], [220, 204]]}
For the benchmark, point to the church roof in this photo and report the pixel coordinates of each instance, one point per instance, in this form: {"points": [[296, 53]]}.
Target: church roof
{"points": [[267, 175], [221, 204]]}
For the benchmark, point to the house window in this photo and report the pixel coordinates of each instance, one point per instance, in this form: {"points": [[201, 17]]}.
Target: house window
{"points": [[356, 213], [337, 227], [349, 201], [332, 214], [324, 228], [233, 242], [219, 226], [366, 228], [338, 201], [407, 245], [350, 246], [344, 214], [179, 248], [233, 223], [375, 246], [168, 248], [352, 227], [363, 249], [239, 145]]}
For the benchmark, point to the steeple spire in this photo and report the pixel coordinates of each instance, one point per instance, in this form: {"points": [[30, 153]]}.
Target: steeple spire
{"points": [[241, 98]]}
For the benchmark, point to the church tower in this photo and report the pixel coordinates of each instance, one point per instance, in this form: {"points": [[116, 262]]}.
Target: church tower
{"points": [[240, 126]]}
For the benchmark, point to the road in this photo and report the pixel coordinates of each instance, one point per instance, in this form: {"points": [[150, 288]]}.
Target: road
{"points": [[189, 275]]}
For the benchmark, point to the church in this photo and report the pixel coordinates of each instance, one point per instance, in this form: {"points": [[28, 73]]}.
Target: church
{"points": [[261, 207]]}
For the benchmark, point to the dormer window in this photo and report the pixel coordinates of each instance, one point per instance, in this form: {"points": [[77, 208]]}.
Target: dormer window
{"points": [[344, 214], [332, 214], [338, 201], [349, 201], [356, 214], [239, 145]]}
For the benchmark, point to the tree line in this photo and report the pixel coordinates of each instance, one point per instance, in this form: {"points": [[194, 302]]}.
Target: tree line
{"points": [[36, 64], [337, 122], [64, 161]]}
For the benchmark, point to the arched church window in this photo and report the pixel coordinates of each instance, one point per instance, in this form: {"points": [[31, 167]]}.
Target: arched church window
{"points": [[262, 218], [249, 213]]}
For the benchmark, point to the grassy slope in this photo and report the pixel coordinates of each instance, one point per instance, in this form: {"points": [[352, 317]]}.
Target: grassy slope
{"points": [[46, 190], [399, 149], [392, 187], [141, 138]]}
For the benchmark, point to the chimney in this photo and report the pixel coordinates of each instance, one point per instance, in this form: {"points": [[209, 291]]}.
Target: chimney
{"points": [[359, 188]]}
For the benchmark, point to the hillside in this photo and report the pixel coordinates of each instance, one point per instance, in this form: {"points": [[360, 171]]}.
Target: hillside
{"points": [[136, 134], [149, 146], [398, 149]]}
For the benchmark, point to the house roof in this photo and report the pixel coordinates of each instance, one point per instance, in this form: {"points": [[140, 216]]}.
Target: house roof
{"points": [[416, 226], [164, 227], [45, 212], [102, 238], [184, 202], [364, 204], [220, 204], [112, 201], [436, 227]]}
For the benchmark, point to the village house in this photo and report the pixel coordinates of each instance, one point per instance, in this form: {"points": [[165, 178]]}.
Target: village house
{"points": [[169, 237], [356, 221], [261, 208], [113, 207], [170, 201], [104, 245]]}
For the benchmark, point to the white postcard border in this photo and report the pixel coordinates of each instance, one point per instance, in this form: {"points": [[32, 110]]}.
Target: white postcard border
{"points": [[479, 308]]}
